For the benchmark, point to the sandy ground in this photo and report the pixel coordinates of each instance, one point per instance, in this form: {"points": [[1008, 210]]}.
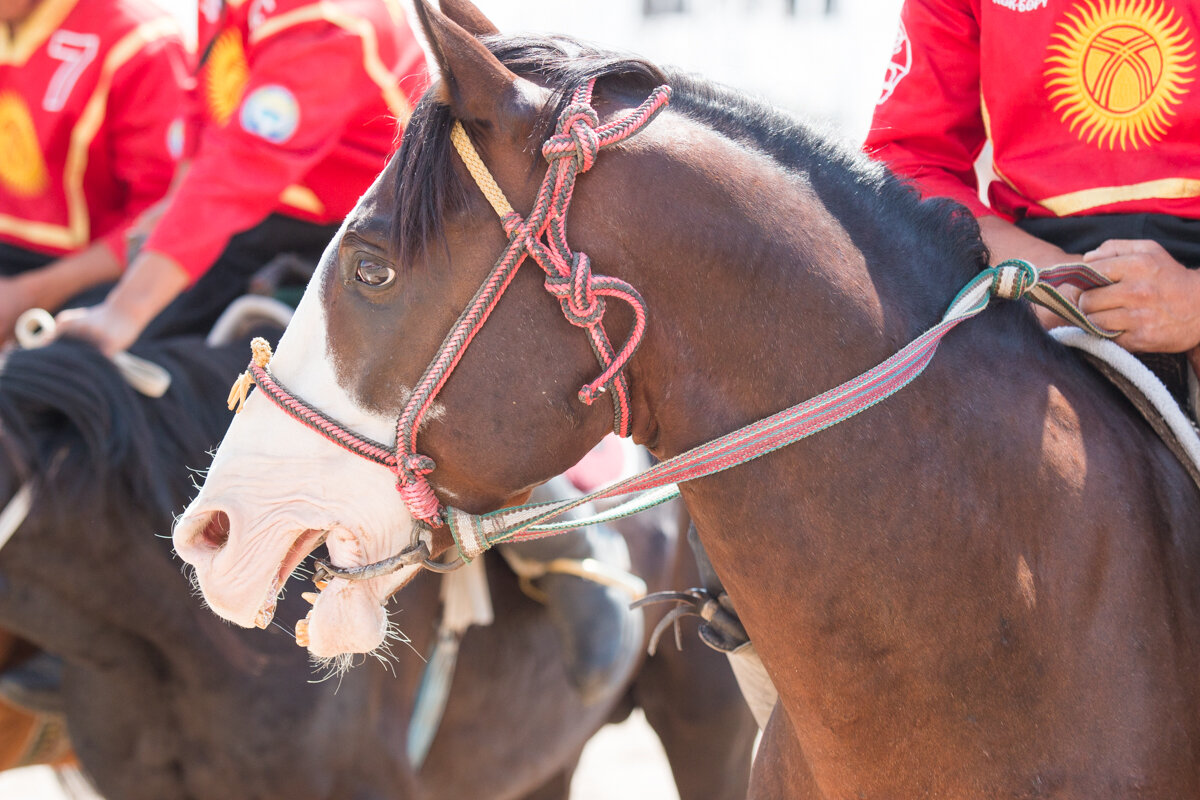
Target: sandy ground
{"points": [[623, 762]]}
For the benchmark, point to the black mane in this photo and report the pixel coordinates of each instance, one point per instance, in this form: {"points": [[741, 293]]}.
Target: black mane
{"points": [[882, 213], [68, 417]]}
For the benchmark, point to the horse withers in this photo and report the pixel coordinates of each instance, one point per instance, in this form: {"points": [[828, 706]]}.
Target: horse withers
{"points": [[983, 587]]}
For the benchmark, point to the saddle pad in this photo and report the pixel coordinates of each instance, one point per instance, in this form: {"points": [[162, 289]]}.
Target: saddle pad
{"points": [[1143, 388]]}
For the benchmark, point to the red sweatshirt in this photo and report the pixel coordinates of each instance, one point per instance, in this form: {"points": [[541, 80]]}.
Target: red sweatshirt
{"points": [[295, 111], [88, 93], [1091, 106]]}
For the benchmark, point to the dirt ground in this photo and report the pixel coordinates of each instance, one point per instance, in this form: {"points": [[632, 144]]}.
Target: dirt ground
{"points": [[623, 762]]}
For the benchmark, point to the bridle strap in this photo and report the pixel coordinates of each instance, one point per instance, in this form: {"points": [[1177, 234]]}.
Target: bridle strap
{"points": [[541, 236]]}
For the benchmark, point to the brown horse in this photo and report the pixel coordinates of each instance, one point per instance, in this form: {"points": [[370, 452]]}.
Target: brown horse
{"points": [[163, 700], [987, 586]]}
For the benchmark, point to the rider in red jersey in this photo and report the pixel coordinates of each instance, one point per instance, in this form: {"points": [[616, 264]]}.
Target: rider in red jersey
{"points": [[296, 107], [1091, 111], [90, 102]]}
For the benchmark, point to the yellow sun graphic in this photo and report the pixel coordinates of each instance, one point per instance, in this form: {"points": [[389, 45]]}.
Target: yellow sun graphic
{"points": [[226, 74], [22, 167], [1117, 69]]}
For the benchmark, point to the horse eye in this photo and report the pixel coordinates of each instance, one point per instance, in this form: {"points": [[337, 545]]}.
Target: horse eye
{"points": [[374, 275]]}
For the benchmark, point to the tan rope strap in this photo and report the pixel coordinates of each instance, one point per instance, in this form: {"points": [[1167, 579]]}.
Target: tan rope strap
{"points": [[589, 569], [483, 178]]}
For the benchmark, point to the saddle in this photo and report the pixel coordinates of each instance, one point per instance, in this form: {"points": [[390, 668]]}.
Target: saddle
{"points": [[1160, 406]]}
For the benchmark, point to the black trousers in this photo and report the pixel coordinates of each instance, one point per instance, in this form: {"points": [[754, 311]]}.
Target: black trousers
{"points": [[1180, 237], [195, 311]]}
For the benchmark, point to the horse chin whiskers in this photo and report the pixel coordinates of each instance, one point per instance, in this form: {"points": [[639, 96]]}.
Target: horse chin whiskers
{"points": [[329, 667]]}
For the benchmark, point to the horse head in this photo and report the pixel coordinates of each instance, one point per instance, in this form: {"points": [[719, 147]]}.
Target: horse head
{"points": [[408, 259]]}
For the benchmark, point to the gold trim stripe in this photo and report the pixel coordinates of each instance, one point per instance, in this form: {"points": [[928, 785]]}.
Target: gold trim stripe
{"points": [[77, 232], [388, 83], [1162, 189], [303, 198]]}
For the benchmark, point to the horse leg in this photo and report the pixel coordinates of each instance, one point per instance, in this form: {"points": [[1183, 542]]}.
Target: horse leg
{"points": [[693, 703], [781, 771], [557, 788]]}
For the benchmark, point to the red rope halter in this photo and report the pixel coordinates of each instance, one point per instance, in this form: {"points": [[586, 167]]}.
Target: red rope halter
{"points": [[542, 236]]}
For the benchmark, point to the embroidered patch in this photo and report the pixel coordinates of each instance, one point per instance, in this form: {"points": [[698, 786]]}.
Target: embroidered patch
{"points": [[225, 75], [899, 66], [1021, 5], [271, 112], [1118, 70]]}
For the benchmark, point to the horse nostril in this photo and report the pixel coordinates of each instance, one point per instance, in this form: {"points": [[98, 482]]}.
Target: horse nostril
{"points": [[216, 531]]}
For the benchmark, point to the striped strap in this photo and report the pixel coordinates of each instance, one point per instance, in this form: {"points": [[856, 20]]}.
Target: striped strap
{"points": [[1079, 275], [474, 534]]}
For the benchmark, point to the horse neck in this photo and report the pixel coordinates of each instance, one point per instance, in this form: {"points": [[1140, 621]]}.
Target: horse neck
{"points": [[760, 297]]}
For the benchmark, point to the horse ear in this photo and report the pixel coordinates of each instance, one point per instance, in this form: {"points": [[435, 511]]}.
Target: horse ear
{"points": [[473, 82], [468, 17]]}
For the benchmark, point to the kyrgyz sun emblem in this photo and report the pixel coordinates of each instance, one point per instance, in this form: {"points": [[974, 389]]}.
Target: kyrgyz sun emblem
{"points": [[1117, 70], [226, 75], [22, 167]]}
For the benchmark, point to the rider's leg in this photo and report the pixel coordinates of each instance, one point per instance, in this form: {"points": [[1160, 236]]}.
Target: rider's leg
{"points": [[601, 635]]}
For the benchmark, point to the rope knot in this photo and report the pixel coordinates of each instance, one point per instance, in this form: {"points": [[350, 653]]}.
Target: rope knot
{"points": [[1011, 279], [260, 356], [512, 225], [413, 467], [580, 304], [415, 490], [576, 137]]}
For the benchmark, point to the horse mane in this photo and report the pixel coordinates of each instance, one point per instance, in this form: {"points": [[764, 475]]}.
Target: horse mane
{"points": [[69, 419], [882, 213]]}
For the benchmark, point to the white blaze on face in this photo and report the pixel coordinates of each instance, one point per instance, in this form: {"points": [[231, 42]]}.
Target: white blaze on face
{"points": [[284, 487]]}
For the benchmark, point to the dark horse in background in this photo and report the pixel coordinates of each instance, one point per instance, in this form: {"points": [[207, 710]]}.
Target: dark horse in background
{"points": [[987, 586], [164, 700]]}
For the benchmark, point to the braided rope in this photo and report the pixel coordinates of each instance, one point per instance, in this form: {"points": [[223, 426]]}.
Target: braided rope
{"points": [[571, 151]]}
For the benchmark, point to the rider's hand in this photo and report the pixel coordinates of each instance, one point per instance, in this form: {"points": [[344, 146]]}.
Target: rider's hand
{"points": [[152, 281], [1154, 299], [104, 325]]}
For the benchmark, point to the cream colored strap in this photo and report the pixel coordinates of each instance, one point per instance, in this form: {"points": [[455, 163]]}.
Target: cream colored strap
{"points": [[35, 328], [479, 171]]}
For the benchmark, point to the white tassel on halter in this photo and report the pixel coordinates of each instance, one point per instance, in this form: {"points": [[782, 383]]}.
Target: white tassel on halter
{"points": [[260, 350]]}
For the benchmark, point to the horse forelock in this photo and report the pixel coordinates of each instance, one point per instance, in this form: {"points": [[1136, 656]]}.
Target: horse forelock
{"points": [[866, 197]]}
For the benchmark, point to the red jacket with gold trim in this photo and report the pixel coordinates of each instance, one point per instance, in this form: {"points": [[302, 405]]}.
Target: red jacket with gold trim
{"points": [[295, 111], [1091, 106], [88, 93]]}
